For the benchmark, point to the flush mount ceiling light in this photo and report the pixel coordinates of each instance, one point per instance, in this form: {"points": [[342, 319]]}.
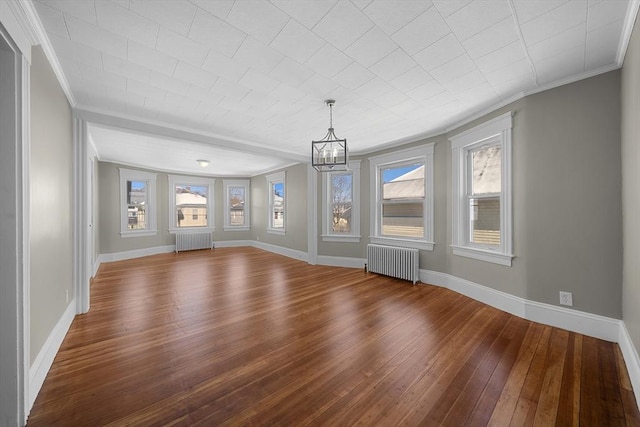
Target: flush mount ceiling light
{"points": [[203, 163], [330, 153]]}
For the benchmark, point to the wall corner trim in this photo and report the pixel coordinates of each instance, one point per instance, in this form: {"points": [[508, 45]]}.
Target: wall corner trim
{"points": [[631, 359], [43, 361]]}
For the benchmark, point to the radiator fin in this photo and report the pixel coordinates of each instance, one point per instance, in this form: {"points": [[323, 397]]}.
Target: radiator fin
{"points": [[401, 263], [192, 241]]}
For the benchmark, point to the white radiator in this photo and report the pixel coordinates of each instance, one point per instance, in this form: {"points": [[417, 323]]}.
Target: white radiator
{"points": [[393, 261], [191, 241]]}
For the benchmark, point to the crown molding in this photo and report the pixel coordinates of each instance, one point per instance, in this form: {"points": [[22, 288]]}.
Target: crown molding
{"points": [[627, 29]]}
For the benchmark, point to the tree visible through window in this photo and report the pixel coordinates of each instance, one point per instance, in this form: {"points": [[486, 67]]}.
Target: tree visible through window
{"points": [[341, 202], [137, 203], [236, 205], [484, 197]]}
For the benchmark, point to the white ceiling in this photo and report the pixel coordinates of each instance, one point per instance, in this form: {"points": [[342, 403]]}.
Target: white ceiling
{"points": [[252, 75]]}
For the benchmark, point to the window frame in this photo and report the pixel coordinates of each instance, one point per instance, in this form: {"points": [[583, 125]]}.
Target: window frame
{"points": [[226, 184], [151, 212], [195, 181], [327, 231], [494, 132], [272, 179], [421, 154]]}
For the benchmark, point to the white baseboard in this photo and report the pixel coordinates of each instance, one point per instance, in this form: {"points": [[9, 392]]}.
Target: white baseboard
{"points": [[338, 261], [41, 365], [233, 243], [581, 322], [120, 256], [631, 359], [96, 266], [291, 253]]}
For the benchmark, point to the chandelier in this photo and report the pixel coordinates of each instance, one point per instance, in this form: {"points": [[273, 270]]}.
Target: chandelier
{"points": [[330, 153]]}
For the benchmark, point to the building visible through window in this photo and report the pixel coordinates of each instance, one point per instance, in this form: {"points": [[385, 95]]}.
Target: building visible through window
{"points": [[403, 193]]}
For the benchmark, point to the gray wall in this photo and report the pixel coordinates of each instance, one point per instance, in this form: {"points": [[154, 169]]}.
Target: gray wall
{"points": [[51, 186], [631, 187], [295, 209]]}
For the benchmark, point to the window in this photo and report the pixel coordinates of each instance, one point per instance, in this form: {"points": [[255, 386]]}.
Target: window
{"points": [[402, 198], [341, 204], [137, 203], [236, 205], [277, 203], [482, 191], [190, 203]]}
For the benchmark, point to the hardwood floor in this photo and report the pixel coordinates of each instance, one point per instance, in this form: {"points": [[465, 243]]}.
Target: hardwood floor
{"points": [[239, 336]]}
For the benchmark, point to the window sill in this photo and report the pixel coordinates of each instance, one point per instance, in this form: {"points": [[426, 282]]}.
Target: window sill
{"points": [[483, 255], [191, 230], [276, 231], [236, 228], [142, 233], [404, 243], [338, 238]]}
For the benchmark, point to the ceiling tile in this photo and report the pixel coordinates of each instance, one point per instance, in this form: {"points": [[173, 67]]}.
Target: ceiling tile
{"points": [[318, 86], [258, 82], [520, 70], [454, 69], [170, 84], [439, 53], [102, 77], [84, 10], [393, 65], [287, 93], [371, 47], [307, 12], [528, 10], [211, 32], [476, 17], [602, 45], [412, 79], [291, 73], [343, 25], [494, 37], [354, 76], [146, 90], [257, 55], [52, 19], [421, 32], [566, 64], [374, 88], [465, 82], [196, 92], [426, 91], [66, 48], [120, 21], [233, 91], [175, 15], [391, 19], [559, 43], [125, 68], [361, 4], [180, 47], [328, 61], [92, 36], [194, 75], [220, 65], [502, 57], [151, 58], [449, 7], [555, 22], [260, 19], [606, 12], [219, 8], [297, 42]]}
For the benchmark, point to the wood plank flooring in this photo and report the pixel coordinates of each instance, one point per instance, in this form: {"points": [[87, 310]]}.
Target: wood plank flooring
{"points": [[239, 336]]}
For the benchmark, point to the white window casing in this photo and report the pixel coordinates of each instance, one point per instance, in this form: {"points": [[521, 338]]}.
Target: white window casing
{"points": [[151, 212], [328, 235], [274, 226], [179, 180], [494, 132], [424, 155], [228, 184]]}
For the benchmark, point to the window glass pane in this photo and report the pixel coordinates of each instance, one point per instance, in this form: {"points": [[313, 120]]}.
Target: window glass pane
{"points": [[485, 220], [404, 182], [236, 205], [191, 206], [341, 202], [486, 167], [277, 205], [403, 219], [137, 205]]}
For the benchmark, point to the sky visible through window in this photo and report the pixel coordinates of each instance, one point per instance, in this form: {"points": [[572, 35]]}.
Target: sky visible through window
{"points": [[278, 189], [391, 174], [138, 185]]}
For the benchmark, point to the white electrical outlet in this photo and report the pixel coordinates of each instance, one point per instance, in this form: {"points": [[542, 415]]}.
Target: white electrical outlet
{"points": [[566, 298]]}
